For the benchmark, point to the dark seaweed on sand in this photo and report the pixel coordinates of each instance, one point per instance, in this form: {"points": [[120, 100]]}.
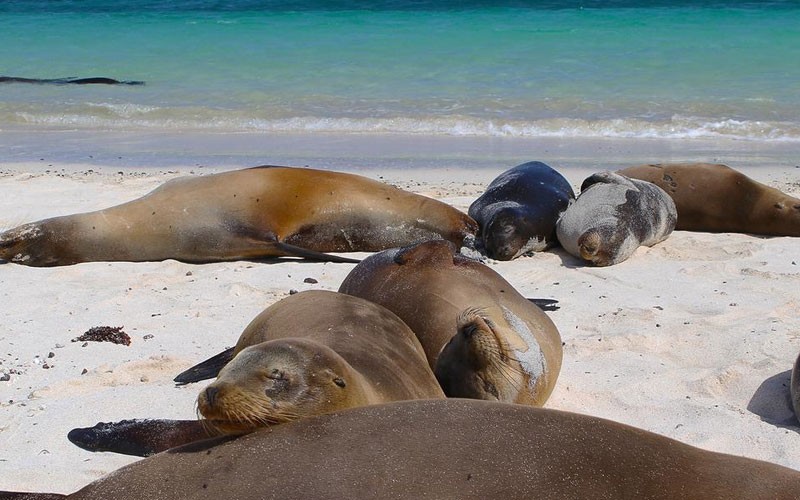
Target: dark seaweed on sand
{"points": [[105, 334]]}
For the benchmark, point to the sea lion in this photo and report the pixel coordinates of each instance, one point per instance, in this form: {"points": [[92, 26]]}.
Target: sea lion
{"points": [[447, 449], [613, 216], [718, 199], [243, 214], [14, 495], [311, 353], [794, 388], [482, 338], [92, 80], [518, 212]]}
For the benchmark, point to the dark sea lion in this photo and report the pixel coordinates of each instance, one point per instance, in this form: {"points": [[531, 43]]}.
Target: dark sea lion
{"points": [[447, 449], [716, 198], [518, 212], [244, 214], [93, 80], [482, 338], [613, 216], [311, 353], [15, 495], [794, 388]]}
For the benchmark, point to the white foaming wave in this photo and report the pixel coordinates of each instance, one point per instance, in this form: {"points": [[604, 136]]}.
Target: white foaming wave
{"points": [[136, 116]]}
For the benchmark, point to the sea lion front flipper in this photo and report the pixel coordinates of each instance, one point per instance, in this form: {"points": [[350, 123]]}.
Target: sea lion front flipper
{"points": [[205, 369], [312, 254], [138, 437], [545, 304]]}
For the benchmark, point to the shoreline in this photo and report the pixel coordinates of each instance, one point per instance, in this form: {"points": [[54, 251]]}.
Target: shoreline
{"points": [[692, 338], [44, 148]]}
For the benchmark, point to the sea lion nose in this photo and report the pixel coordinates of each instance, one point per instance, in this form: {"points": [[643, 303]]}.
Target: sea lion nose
{"points": [[211, 395]]}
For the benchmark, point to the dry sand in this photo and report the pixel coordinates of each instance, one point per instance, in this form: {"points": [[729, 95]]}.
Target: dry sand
{"points": [[693, 338]]}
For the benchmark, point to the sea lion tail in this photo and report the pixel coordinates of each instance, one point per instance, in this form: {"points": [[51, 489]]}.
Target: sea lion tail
{"points": [[545, 304], [205, 370], [312, 254]]}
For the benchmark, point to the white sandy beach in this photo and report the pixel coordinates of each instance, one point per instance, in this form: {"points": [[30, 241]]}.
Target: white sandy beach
{"points": [[693, 338]]}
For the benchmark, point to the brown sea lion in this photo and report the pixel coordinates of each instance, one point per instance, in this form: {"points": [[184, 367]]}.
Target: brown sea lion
{"points": [[244, 214], [716, 198], [447, 449], [518, 212], [613, 216], [482, 338], [311, 353]]}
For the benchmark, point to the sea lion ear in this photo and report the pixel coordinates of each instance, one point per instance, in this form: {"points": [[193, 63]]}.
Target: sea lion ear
{"points": [[335, 377], [433, 249]]}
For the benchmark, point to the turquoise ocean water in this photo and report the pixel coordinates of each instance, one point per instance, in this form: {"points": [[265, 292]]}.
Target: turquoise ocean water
{"points": [[649, 69]]}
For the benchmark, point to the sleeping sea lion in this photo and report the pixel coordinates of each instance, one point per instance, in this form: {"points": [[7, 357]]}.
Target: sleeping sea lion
{"points": [[518, 212], [482, 338], [244, 214], [718, 199], [446, 449], [311, 353], [613, 216]]}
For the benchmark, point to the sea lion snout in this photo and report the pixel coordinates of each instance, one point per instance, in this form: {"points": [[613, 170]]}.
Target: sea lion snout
{"points": [[14, 242], [211, 395], [39, 244]]}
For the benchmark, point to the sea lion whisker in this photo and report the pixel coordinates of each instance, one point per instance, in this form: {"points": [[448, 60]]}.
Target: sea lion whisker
{"points": [[508, 373], [469, 315]]}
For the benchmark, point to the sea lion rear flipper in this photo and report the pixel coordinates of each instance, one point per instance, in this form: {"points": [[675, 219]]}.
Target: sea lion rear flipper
{"points": [[206, 369], [545, 304], [138, 437], [312, 254]]}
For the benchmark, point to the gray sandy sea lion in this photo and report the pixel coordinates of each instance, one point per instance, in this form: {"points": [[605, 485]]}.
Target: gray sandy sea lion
{"points": [[447, 449], [311, 353], [482, 338], [716, 198], [518, 212], [244, 214], [613, 216]]}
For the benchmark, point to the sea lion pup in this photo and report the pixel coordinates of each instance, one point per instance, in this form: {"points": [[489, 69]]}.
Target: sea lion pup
{"points": [[311, 353], [447, 449], [518, 212], [716, 198], [613, 216], [482, 338], [244, 214]]}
